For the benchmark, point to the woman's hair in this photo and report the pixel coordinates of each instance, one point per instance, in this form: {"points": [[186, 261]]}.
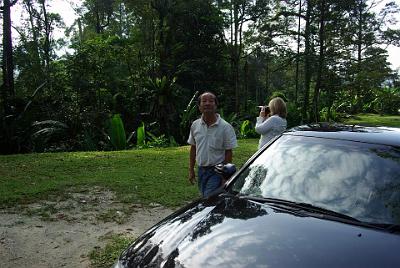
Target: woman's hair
{"points": [[278, 106]]}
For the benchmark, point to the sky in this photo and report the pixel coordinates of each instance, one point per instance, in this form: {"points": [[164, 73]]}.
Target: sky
{"points": [[66, 9]]}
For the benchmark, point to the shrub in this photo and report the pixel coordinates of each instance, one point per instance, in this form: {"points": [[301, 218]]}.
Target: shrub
{"points": [[247, 130]]}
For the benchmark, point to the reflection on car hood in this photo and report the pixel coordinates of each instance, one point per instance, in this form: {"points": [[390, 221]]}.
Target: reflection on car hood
{"points": [[233, 232]]}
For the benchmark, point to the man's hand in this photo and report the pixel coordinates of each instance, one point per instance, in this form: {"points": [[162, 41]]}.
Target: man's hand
{"points": [[192, 176], [192, 161]]}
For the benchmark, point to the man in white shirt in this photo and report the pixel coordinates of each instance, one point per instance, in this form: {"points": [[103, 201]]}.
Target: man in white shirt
{"points": [[212, 140]]}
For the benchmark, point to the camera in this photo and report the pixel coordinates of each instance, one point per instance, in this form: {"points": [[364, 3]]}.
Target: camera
{"points": [[266, 109]]}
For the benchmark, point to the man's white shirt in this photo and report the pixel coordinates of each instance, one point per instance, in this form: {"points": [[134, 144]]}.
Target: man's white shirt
{"points": [[211, 141]]}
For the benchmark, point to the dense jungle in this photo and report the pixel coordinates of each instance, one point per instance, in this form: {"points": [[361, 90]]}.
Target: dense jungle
{"points": [[131, 71]]}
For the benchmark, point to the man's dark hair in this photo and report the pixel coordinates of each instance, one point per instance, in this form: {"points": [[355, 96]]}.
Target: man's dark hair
{"points": [[207, 92]]}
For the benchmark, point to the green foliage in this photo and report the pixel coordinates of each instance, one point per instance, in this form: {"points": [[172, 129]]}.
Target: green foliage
{"points": [[161, 88], [162, 107], [244, 128], [188, 115], [293, 115], [154, 141], [146, 60], [327, 115], [345, 102], [231, 118], [88, 143], [48, 131], [140, 135], [280, 95], [247, 130], [146, 139], [386, 101], [116, 132]]}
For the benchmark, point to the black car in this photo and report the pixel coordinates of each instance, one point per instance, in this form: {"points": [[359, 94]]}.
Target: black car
{"points": [[316, 196]]}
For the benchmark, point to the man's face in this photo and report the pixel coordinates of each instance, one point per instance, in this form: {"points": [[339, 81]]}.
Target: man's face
{"points": [[207, 103]]}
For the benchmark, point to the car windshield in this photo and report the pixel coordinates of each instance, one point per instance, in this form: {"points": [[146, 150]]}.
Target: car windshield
{"points": [[357, 179]]}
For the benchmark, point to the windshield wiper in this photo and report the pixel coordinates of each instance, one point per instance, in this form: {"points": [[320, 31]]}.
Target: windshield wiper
{"points": [[389, 227], [393, 228], [302, 206], [322, 212], [325, 211]]}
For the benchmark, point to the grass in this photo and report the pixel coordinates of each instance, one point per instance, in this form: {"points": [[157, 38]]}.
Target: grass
{"points": [[157, 175], [113, 215], [374, 120], [106, 257]]}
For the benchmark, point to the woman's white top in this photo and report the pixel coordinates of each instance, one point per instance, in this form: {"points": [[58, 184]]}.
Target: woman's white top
{"points": [[269, 128]]}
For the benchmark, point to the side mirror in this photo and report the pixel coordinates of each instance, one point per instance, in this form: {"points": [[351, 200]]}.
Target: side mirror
{"points": [[225, 170]]}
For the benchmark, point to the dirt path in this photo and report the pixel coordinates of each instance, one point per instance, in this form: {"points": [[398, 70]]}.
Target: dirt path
{"points": [[62, 233]]}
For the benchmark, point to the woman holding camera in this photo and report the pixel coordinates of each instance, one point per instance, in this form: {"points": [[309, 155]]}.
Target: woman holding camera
{"points": [[272, 120]]}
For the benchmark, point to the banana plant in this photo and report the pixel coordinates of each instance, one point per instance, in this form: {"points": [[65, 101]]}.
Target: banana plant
{"points": [[140, 136], [116, 132]]}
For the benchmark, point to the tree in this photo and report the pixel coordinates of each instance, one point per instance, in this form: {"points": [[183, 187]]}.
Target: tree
{"points": [[7, 87], [36, 51], [145, 60], [367, 30]]}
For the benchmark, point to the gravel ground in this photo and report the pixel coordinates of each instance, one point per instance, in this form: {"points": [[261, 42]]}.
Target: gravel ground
{"points": [[62, 233]]}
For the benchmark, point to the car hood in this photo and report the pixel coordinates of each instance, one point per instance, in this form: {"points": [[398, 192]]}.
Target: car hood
{"points": [[234, 232]]}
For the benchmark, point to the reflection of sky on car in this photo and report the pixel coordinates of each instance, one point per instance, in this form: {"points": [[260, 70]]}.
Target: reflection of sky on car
{"points": [[340, 177], [186, 237], [196, 252]]}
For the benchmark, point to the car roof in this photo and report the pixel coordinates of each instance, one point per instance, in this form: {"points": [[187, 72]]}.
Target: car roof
{"points": [[377, 135]]}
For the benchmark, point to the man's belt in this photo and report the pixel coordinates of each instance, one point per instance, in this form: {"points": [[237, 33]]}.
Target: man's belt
{"points": [[207, 167]]}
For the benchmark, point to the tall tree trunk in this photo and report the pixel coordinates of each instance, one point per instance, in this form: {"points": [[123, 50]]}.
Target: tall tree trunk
{"points": [[99, 29], [102, 13], [161, 7], [47, 42], [164, 110], [36, 62], [297, 56], [238, 7], [359, 32], [121, 15], [245, 85], [162, 47], [236, 55], [80, 31], [263, 97], [330, 103], [307, 61], [8, 64], [232, 52], [321, 60], [8, 144], [360, 13]]}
